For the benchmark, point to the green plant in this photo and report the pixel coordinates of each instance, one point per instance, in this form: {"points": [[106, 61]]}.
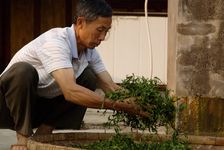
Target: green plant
{"points": [[150, 99], [126, 142]]}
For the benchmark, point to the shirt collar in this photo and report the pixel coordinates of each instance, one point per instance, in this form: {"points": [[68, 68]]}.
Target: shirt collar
{"points": [[72, 40]]}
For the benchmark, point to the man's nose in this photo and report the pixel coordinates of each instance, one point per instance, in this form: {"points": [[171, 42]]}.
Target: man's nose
{"points": [[102, 36]]}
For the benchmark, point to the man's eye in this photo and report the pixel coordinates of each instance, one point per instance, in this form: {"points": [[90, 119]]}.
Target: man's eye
{"points": [[100, 30]]}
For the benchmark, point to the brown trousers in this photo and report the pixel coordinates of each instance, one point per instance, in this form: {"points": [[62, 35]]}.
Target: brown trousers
{"points": [[21, 109]]}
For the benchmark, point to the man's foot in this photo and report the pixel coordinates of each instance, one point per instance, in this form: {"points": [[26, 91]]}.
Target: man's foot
{"points": [[21, 142], [18, 147], [44, 129]]}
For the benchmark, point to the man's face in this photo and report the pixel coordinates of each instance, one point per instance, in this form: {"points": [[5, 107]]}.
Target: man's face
{"points": [[90, 34]]}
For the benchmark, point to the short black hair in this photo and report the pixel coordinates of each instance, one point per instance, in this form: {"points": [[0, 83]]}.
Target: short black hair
{"points": [[92, 9]]}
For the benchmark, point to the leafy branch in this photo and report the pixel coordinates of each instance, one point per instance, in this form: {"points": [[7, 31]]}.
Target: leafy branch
{"points": [[150, 99]]}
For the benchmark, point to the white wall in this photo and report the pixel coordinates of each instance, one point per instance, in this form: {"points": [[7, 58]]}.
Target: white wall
{"points": [[126, 51]]}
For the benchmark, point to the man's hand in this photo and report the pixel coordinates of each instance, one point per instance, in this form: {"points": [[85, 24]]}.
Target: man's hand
{"points": [[127, 105]]}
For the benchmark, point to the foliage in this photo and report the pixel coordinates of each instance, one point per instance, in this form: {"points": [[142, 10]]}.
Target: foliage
{"points": [[158, 104], [125, 142], [151, 99]]}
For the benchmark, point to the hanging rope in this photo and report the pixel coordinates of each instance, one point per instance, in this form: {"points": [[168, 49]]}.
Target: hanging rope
{"points": [[149, 38]]}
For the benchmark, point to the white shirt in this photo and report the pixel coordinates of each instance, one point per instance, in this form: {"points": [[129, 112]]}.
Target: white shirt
{"points": [[56, 49]]}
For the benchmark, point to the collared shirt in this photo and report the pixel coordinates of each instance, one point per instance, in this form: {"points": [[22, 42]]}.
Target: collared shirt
{"points": [[53, 50]]}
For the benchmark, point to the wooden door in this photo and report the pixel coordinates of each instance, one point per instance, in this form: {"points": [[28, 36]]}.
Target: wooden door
{"points": [[23, 20]]}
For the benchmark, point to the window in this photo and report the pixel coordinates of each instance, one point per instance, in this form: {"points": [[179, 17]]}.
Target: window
{"points": [[136, 7]]}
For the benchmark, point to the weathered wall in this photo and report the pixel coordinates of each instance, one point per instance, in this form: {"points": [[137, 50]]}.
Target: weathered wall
{"points": [[196, 64], [200, 49]]}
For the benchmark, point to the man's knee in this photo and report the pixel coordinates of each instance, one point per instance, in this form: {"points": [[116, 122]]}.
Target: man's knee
{"points": [[23, 71], [21, 75]]}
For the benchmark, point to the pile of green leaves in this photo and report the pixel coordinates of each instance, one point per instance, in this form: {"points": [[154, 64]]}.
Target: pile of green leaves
{"points": [[150, 98], [126, 142]]}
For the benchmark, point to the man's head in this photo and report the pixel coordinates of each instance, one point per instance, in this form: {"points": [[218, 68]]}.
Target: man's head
{"points": [[93, 19], [92, 9]]}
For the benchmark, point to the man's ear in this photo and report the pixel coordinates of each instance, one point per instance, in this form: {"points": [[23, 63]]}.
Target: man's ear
{"points": [[80, 22]]}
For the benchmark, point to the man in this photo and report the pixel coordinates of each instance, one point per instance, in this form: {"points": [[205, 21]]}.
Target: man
{"points": [[50, 82]]}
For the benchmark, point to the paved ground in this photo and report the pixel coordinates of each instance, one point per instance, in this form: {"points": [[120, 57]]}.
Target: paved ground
{"points": [[7, 137]]}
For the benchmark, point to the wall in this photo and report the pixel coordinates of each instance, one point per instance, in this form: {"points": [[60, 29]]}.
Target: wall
{"points": [[127, 51], [196, 64], [199, 49]]}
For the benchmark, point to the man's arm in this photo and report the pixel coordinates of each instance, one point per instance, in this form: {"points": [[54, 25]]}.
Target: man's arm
{"points": [[106, 83], [85, 97], [74, 92]]}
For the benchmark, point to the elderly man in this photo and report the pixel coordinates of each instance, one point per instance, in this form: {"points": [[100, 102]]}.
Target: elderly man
{"points": [[50, 82]]}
